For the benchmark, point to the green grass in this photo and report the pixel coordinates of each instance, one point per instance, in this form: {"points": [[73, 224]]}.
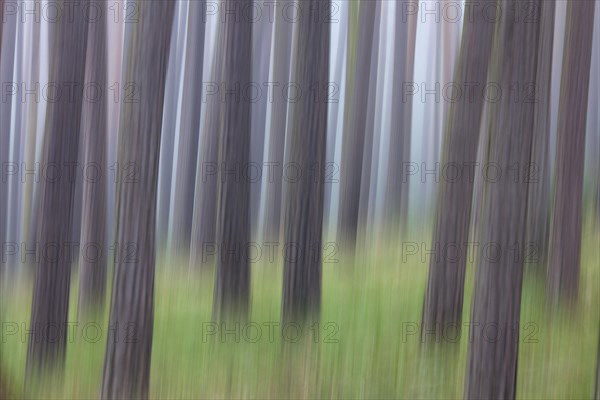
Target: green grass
{"points": [[370, 357]]}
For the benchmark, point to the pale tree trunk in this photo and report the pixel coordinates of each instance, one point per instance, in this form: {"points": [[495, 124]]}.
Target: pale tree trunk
{"points": [[204, 219], [304, 198], [360, 32], [565, 248], [187, 153], [538, 212], [445, 288], [129, 343], [232, 286], [492, 359], [277, 121]]}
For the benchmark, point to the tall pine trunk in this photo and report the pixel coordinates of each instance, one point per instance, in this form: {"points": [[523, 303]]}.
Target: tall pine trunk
{"points": [[445, 288], [304, 198], [565, 249], [232, 286], [93, 249], [360, 33], [492, 359], [49, 309], [129, 344]]}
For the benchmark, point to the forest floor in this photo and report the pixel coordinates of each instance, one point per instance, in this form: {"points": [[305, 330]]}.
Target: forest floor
{"points": [[366, 346]]}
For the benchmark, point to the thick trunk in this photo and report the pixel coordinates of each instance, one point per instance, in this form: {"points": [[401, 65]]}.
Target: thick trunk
{"points": [[563, 269], [187, 153], [232, 286], [129, 345], [494, 336], [92, 248], [445, 287], [304, 198], [277, 119], [355, 116], [50, 303]]}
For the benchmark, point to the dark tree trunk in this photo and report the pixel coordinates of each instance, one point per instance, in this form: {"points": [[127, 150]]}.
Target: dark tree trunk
{"points": [[538, 212], [232, 286], [207, 177], [129, 344], [187, 154], [280, 73], [492, 359], [304, 198], [360, 33], [445, 288], [50, 303], [92, 247], [563, 269], [396, 201]]}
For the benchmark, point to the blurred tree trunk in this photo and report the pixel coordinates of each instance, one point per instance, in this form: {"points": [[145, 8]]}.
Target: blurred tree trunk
{"points": [[492, 362], [92, 248], [304, 198], [277, 123], [360, 32], [262, 36], [396, 198], [8, 37], [598, 371], [366, 170], [167, 138], [232, 286], [187, 153], [538, 211], [129, 346], [445, 288], [204, 217], [563, 269], [50, 303]]}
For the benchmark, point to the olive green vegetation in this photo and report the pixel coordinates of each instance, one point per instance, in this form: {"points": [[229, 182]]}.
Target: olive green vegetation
{"points": [[366, 351]]}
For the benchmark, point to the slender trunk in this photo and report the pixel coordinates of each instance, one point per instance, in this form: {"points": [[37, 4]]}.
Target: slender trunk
{"points": [[563, 269], [129, 345], [538, 213], [93, 249], [187, 153], [445, 288], [492, 361], [277, 121], [396, 201], [304, 198], [232, 286], [355, 116]]}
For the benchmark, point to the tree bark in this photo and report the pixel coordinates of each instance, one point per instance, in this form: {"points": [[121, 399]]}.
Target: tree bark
{"points": [[232, 286], [277, 115], [445, 287], [93, 263], [538, 213], [49, 310], [492, 358], [360, 34], [304, 198], [563, 270], [129, 344], [187, 154]]}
